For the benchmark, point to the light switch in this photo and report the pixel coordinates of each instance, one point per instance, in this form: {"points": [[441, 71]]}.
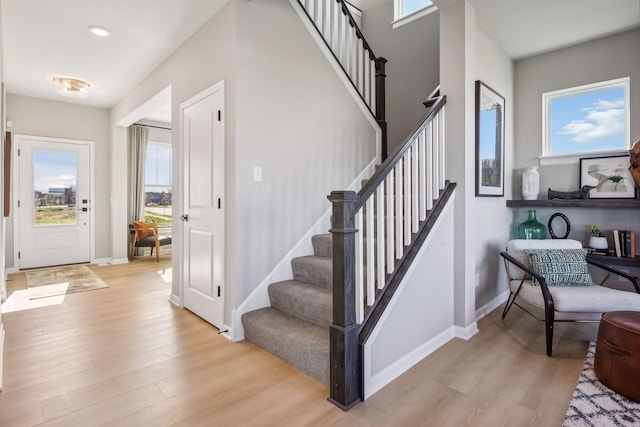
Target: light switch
{"points": [[257, 173]]}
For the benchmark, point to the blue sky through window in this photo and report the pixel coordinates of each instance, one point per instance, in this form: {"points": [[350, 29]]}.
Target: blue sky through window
{"points": [[587, 121], [54, 169], [410, 6], [158, 167]]}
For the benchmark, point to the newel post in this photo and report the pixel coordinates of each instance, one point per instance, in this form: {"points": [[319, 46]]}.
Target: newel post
{"points": [[345, 370], [381, 116]]}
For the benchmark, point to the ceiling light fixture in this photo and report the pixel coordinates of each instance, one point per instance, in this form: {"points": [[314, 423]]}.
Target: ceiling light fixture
{"points": [[99, 31], [68, 86]]}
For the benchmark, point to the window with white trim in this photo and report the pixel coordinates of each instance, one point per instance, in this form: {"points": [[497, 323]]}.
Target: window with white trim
{"points": [[157, 183], [408, 7], [586, 119]]}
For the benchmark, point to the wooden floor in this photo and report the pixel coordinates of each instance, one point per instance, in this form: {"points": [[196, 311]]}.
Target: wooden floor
{"points": [[125, 356]]}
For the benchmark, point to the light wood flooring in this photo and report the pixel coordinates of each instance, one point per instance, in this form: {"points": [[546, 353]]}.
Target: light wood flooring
{"points": [[125, 356]]}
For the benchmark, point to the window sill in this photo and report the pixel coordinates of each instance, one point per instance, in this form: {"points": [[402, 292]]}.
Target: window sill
{"points": [[412, 17], [574, 159]]}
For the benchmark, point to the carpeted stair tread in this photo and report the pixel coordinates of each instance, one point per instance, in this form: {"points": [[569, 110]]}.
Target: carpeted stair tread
{"points": [[314, 270], [299, 343], [308, 302], [322, 245]]}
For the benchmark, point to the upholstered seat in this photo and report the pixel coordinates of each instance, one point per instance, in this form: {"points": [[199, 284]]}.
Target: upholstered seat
{"points": [[561, 301]]}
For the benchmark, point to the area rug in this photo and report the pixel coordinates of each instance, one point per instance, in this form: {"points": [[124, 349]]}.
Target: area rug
{"points": [[594, 404], [49, 282]]}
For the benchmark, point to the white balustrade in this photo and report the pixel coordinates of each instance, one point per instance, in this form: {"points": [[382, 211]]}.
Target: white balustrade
{"points": [[392, 214]]}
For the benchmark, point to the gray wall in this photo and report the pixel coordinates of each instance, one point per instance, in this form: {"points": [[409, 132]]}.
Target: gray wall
{"points": [[494, 68], [599, 60], [297, 121], [413, 68], [34, 116], [286, 111]]}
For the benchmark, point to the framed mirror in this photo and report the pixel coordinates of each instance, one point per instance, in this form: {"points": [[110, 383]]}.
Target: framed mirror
{"points": [[489, 141]]}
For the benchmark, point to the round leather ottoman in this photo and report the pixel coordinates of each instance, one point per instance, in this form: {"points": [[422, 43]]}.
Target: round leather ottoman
{"points": [[617, 359]]}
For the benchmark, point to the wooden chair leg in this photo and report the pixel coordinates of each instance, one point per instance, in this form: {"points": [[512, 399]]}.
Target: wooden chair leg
{"points": [[157, 251]]}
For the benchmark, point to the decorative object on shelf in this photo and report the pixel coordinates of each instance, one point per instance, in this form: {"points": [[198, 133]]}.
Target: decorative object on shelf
{"points": [[597, 239], [634, 163], [567, 226], [531, 228], [489, 141], [583, 193], [609, 175], [530, 183]]}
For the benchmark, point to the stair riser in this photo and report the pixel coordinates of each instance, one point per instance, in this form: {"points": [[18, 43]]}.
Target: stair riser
{"points": [[311, 303], [313, 270]]}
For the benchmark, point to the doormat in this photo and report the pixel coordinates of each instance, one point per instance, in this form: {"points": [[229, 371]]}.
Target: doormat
{"points": [[55, 281], [594, 404]]}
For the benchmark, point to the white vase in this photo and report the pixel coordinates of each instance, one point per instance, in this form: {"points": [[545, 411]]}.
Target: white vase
{"points": [[530, 183], [596, 242]]}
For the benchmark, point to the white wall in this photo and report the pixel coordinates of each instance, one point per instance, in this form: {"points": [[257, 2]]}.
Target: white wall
{"points": [[34, 116], [598, 60], [492, 219], [412, 71], [419, 318]]}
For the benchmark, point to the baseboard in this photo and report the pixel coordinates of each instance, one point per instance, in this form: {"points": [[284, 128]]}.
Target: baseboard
{"points": [[101, 261], [492, 305], [466, 332], [11, 270], [116, 261], [1, 352], [393, 371], [228, 332], [175, 300]]}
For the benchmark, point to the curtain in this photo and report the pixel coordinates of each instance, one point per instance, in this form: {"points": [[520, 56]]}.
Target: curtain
{"points": [[138, 138]]}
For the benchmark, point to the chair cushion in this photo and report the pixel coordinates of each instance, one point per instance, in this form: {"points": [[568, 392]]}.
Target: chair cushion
{"points": [[150, 241], [561, 267], [579, 299], [516, 249]]}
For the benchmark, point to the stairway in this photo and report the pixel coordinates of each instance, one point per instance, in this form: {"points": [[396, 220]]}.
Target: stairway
{"points": [[296, 325]]}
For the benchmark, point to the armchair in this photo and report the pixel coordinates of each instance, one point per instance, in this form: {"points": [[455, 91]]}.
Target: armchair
{"points": [[536, 284], [145, 235]]}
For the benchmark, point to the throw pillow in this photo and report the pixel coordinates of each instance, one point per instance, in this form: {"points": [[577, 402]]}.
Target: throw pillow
{"points": [[145, 229], [561, 267]]}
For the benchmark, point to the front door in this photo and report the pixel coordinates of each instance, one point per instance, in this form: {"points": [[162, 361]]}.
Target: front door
{"points": [[53, 201], [203, 213]]}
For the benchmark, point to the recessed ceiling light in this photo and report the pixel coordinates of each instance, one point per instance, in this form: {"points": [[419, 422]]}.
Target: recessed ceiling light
{"points": [[99, 31], [69, 86]]}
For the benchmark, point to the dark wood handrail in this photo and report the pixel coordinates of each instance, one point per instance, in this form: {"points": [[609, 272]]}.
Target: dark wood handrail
{"points": [[380, 75], [388, 165]]}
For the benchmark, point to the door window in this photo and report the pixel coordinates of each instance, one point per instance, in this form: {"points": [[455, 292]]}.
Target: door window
{"points": [[54, 187]]}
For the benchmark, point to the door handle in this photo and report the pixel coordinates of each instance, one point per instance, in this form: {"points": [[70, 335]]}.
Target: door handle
{"points": [[185, 218]]}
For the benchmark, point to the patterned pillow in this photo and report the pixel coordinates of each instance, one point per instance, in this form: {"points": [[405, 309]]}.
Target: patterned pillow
{"points": [[561, 267]]}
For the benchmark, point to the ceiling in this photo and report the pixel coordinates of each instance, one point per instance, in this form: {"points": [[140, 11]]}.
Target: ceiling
{"points": [[44, 38], [524, 28]]}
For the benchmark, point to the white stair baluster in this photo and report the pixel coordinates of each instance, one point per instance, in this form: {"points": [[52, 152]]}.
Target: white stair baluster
{"points": [[380, 236], [359, 267], [370, 247], [389, 187], [399, 217]]}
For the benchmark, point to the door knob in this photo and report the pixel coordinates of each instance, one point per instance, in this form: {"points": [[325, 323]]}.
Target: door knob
{"points": [[184, 217]]}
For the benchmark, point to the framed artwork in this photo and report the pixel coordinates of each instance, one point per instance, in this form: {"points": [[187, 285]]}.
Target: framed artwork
{"points": [[489, 142], [609, 175]]}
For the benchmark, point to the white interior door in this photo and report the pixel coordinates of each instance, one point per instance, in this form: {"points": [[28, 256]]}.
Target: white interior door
{"points": [[203, 213], [53, 202]]}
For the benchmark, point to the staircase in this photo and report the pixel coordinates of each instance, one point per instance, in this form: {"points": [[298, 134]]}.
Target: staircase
{"points": [[296, 326], [320, 320]]}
